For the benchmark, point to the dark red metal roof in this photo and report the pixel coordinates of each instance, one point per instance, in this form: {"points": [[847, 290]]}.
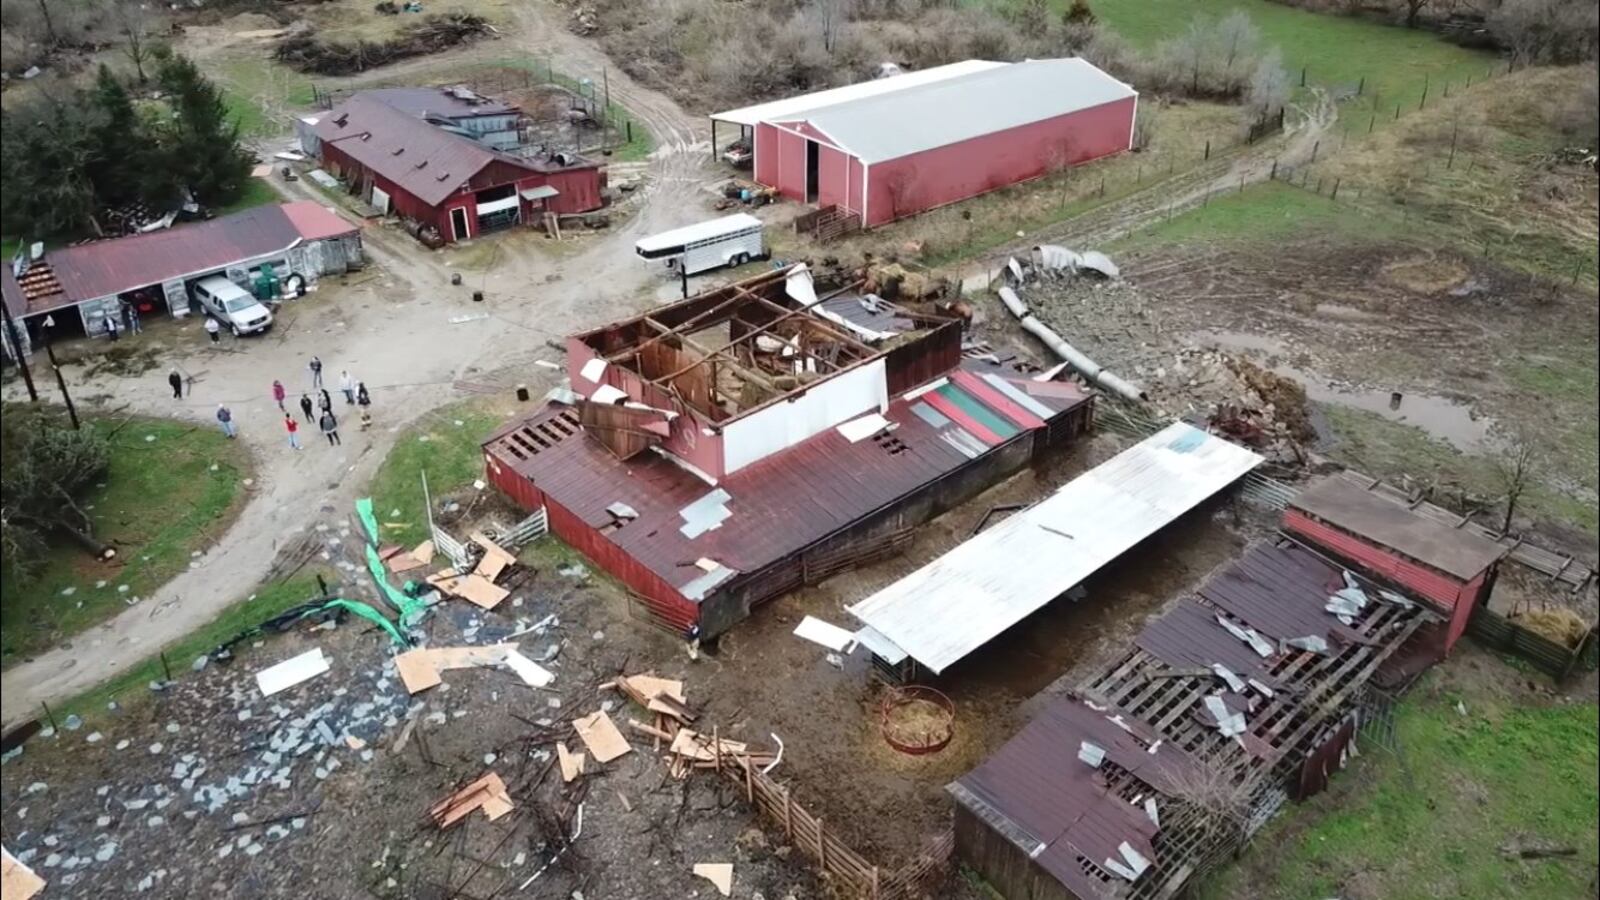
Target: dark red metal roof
{"points": [[1455, 551], [104, 268], [446, 102], [779, 505], [1038, 782]]}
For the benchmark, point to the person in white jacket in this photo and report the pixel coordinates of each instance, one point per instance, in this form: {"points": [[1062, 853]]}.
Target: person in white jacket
{"points": [[348, 385]]}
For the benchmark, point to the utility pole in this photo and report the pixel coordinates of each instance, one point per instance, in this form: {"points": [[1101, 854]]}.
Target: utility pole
{"points": [[61, 380], [16, 351]]}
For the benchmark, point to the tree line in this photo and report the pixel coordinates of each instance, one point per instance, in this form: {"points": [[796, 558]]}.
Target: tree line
{"points": [[66, 160]]}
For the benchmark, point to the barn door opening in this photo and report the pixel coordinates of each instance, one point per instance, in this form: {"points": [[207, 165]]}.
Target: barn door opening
{"points": [[812, 164], [458, 224]]}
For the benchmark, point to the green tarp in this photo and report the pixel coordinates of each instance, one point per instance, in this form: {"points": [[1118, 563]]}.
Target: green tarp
{"points": [[365, 611], [410, 608], [364, 510]]}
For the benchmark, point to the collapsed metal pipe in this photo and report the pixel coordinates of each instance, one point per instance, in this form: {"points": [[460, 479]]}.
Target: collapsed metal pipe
{"points": [[1081, 364]]}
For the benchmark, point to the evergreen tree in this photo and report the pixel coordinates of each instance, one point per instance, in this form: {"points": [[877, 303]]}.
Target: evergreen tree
{"points": [[45, 149], [204, 143], [131, 160]]}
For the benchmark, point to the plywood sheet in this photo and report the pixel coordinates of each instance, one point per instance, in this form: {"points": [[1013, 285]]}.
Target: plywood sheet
{"points": [[648, 686], [571, 763], [417, 671], [424, 551], [17, 880], [480, 591], [601, 736], [719, 874]]}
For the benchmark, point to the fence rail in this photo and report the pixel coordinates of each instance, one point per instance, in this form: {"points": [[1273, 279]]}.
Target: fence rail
{"points": [[841, 865], [1553, 658]]}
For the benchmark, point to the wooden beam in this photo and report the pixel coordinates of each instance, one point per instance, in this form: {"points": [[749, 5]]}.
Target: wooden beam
{"points": [[739, 340], [822, 323], [693, 320], [709, 355]]}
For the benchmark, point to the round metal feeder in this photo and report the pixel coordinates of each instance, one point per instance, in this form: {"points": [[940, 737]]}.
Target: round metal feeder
{"points": [[917, 720]]}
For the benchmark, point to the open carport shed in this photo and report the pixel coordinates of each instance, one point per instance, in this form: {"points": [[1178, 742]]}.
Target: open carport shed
{"points": [[156, 269], [891, 148]]}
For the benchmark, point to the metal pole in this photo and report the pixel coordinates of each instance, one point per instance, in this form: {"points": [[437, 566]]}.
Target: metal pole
{"points": [[427, 501], [16, 352]]}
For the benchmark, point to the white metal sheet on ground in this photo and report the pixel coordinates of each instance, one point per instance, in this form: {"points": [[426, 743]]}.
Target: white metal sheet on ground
{"points": [[291, 672], [880, 646], [960, 601], [827, 634]]}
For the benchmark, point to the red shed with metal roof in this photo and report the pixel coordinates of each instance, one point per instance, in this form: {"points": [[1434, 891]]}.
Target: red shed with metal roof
{"points": [[404, 164], [1453, 568]]}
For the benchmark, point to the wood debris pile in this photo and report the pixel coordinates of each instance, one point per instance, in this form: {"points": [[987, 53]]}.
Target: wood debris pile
{"points": [[671, 716], [490, 581], [488, 793]]}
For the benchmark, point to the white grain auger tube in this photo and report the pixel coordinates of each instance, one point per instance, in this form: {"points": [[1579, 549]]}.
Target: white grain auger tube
{"points": [[1083, 365]]}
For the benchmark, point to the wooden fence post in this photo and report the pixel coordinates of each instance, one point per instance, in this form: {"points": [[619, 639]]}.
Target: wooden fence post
{"points": [[822, 846], [716, 748], [749, 781], [1335, 194], [788, 814], [874, 883]]}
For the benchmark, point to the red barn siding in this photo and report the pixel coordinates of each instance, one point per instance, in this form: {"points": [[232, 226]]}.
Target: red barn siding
{"points": [[765, 147], [943, 175], [833, 175], [580, 189], [687, 441], [1453, 597], [791, 179], [855, 179]]}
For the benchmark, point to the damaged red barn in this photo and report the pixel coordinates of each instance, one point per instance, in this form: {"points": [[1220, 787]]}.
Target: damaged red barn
{"points": [[894, 147], [725, 449]]}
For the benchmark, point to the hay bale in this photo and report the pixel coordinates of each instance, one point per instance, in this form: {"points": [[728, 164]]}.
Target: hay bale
{"points": [[1563, 626]]}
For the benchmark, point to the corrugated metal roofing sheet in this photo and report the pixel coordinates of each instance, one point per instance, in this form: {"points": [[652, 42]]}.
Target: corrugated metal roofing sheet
{"points": [[1038, 783], [961, 600], [103, 268], [427, 161], [448, 102], [790, 106], [1346, 506], [948, 111], [776, 506]]}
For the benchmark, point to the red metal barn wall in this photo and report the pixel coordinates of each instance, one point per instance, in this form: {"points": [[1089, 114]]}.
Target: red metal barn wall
{"points": [[833, 179], [687, 441], [791, 175], [1450, 595], [765, 148], [580, 189], [933, 178], [665, 601]]}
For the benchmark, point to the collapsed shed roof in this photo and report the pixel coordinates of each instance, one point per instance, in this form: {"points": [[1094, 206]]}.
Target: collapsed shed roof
{"points": [[957, 603], [103, 268], [448, 102], [973, 104], [1458, 552]]}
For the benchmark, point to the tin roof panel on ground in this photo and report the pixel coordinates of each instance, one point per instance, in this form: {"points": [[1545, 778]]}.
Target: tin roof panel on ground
{"points": [[775, 506], [1456, 551], [960, 601]]}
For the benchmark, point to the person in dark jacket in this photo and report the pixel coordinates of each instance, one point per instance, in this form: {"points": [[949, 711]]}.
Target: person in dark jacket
{"points": [[176, 381], [306, 407], [330, 427]]}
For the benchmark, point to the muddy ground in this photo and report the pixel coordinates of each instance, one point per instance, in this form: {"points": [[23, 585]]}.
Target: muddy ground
{"points": [[205, 786]]}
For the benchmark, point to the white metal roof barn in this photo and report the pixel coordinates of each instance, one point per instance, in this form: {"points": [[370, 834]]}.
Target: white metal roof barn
{"points": [[962, 600], [893, 147]]}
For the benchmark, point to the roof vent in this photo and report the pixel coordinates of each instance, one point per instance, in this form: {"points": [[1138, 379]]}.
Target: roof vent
{"points": [[423, 164], [399, 151], [342, 120], [443, 177], [366, 136]]}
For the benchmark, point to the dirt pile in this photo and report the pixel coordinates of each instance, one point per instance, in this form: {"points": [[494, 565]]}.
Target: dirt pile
{"points": [[305, 52]]}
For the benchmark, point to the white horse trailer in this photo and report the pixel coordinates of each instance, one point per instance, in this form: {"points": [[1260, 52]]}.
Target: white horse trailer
{"points": [[729, 241]]}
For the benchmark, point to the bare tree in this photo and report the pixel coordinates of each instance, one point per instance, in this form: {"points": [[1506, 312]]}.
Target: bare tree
{"points": [[1414, 10], [1058, 162], [1516, 467], [1269, 87], [49, 24], [831, 16], [1540, 31], [133, 23], [898, 185], [1238, 36]]}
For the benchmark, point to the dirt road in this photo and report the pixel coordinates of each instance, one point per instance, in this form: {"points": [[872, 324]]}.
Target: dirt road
{"points": [[387, 330]]}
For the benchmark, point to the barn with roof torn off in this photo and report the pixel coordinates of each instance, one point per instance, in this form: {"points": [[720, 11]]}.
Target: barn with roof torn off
{"points": [[723, 450], [1239, 698]]}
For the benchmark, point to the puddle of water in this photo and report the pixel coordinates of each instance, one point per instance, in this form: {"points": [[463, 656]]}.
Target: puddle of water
{"points": [[1441, 417]]}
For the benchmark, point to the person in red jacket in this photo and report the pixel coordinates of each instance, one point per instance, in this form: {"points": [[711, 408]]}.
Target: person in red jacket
{"points": [[278, 393], [294, 430]]}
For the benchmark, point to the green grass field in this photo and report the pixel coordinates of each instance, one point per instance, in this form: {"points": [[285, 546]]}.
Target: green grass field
{"points": [[445, 445], [1261, 212], [172, 488], [1431, 822], [1334, 50]]}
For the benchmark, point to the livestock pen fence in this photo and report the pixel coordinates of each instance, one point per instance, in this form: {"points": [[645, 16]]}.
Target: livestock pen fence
{"points": [[1560, 661], [515, 79], [846, 870]]}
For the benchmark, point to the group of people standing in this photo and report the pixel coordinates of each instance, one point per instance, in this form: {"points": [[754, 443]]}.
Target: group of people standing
{"points": [[318, 412]]}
